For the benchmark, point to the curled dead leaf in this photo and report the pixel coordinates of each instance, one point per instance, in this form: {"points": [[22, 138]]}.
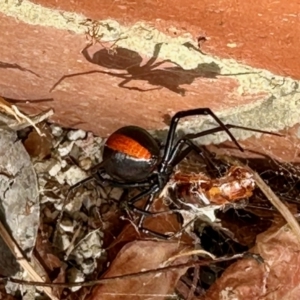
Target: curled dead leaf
{"points": [[139, 256], [277, 278]]}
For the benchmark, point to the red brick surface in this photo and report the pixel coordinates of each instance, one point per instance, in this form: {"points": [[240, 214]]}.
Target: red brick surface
{"points": [[95, 101], [33, 58], [266, 32]]}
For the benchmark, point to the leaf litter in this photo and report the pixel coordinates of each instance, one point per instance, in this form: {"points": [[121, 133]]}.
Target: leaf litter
{"points": [[90, 234]]}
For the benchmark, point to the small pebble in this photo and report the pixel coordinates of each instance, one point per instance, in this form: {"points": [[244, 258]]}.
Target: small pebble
{"points": [[96, 249], [65, 241], [54, 169], [75, 152], [75, 275], [65, 148], [88, 266], [87, 254], [85, 163], [83, 246], [63, 163], [74, 175], [61, 178], [75, 135], [47, 198], [75, 204], [58, 205], [80, 216], [44, 166], [66, 225], [56, 130], [116, 193]]}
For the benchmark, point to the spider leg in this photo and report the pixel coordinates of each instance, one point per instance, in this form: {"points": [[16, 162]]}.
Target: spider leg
{"points": [[220, 128], [179, 155], [176, 155], [201, 111], [81, 182], [175, 159], [152, 193], [152, 232], [146, 212], [193, 112], [153, 185]]}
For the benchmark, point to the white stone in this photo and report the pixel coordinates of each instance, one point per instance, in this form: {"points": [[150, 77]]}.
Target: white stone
{"points": [[56, 130], [65, 148], [75, 135]]}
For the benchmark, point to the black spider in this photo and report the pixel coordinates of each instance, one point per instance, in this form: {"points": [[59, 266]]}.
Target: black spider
{"points": [[132, 159]]}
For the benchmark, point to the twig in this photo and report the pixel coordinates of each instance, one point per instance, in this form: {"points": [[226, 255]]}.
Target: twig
{"points": [[72, 243], [131, 275], [15, 250], [24, 117], [194, 283], [189, 253], [22, 121], [281, 207], [34, 120]]}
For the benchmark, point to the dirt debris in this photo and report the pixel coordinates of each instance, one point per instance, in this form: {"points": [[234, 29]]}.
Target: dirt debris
{"points": [[89, 232]]}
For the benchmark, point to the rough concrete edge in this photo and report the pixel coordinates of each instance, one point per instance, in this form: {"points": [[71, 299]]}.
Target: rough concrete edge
{"points": [[278, 108], [283, 115]]}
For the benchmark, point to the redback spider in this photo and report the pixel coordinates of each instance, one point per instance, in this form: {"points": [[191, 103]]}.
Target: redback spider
{"points": [[131, 158]]}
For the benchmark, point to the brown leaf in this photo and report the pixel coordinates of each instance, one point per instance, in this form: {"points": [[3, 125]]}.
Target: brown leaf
{"points": [[277, 278], [139, 256], [37, 145]]}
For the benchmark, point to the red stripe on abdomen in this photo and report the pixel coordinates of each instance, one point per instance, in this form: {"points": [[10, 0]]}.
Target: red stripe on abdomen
{"points": [[127, 145]]}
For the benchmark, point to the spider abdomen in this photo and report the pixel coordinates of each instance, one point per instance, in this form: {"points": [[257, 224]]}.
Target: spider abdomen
{"points": [[130, 154]]}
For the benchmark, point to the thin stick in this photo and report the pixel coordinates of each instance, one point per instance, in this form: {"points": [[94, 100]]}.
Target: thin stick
{"points": [[22, 120], [194, 283], [280, 206], [15, 250], [130, 275]]}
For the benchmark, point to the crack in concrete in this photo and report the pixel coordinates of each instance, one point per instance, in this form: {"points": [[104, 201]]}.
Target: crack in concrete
{"points": [[278, 104]]}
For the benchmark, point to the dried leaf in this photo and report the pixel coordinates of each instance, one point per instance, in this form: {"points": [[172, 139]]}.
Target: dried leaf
{"points": [[138, 256], [277, 278], [38, 145]]}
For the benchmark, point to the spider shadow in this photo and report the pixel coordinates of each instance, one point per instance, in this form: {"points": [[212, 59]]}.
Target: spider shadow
{"points": [[17, 101], [4, 65], [130, 62]]}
